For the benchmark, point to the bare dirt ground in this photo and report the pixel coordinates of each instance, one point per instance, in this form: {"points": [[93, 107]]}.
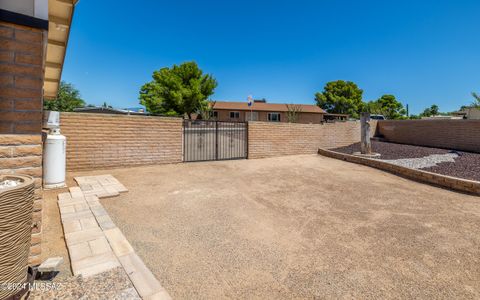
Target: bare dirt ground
{"points": [[298, 227], [53, 241]]}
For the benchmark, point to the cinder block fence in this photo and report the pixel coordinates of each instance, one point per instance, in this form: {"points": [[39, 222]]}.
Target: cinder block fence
{"points": [[267, 139], [450, 134], [96, 141], [110, 141]]}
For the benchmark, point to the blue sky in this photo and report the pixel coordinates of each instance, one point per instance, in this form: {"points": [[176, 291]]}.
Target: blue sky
{"points": [[423, 52]]}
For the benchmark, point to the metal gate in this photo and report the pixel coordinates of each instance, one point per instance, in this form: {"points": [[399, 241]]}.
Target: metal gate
{"points": [[214, 140]]}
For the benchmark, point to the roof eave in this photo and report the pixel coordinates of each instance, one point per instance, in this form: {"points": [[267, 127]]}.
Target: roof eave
{"points": [[54, 67]]}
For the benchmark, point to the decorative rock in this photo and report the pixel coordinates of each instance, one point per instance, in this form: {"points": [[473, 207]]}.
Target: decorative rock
{"points": [[424, 162]]}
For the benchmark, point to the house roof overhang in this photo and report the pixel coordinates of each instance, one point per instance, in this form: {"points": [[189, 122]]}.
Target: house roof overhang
{"points": [[60, 15]]}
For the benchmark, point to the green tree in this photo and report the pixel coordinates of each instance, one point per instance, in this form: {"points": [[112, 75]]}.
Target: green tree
{"points": [[68, 99], [374, 107], [178, 90], [476, 102], [430, 111], [391, 107], [342, 97], [206, 110], [434, 110]]}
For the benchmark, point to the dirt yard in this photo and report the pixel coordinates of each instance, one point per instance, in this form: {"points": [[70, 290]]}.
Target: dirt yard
{"points": [[298, 227]]}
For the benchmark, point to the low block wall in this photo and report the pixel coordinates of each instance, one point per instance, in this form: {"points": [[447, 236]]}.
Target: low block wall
{"points": [[267, 139], [109, 141], [450, 134], [458, 184]]}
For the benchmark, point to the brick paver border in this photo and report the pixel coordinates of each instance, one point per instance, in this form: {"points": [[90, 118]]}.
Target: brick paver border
{"points": [[453, 183], [95, 244]]}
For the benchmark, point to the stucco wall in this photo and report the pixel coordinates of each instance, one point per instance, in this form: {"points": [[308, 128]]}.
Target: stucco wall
{"points": [[32, 8]]}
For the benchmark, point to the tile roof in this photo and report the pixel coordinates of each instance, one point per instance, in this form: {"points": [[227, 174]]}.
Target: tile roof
{"points": [[259, 106]]}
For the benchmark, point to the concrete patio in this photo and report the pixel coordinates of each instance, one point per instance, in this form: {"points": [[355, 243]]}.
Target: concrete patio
{"points": [[297, 227]]}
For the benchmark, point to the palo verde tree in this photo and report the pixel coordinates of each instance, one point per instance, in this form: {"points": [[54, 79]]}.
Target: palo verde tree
{"points": [[68, 99], [341, 97], [178, 90]]}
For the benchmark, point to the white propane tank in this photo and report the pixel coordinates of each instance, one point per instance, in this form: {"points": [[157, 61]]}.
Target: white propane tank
{"points": [[54, 160]]}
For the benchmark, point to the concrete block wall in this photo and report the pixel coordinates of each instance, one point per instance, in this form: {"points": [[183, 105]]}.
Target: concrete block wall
{"points": [[108, 141], [22, 52], [450, 134], [268, 139], [21, 78]]}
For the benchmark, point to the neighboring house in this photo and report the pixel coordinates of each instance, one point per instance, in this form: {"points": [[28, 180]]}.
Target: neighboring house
{"points": [[470, 113], [110, 110], [270, 112]]}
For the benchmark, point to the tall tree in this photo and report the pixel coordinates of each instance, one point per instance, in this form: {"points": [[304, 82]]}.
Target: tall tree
{"points": [[374, 107], [68, 99], [178, 90], [391, 107], [476, 102], [342, 97], [434, 110], [430, 111]]}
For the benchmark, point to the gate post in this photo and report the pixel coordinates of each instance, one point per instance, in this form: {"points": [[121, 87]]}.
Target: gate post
{"points": [[183, 141], [246, 138], [216, 140]]}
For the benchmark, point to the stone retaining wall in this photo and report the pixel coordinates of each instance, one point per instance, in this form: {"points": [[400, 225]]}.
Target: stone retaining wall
{"points": [[462, 185]]}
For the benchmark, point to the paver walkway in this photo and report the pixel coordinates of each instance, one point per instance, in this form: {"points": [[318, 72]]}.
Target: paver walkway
{"points": [[94, 243]]}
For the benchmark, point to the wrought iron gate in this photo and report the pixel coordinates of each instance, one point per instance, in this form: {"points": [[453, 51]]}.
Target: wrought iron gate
{"points": [[214, 140]]}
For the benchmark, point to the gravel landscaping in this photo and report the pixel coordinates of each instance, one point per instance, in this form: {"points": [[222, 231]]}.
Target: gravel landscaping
{"points": [[467, 165], [447, 162], [113, 284]]}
